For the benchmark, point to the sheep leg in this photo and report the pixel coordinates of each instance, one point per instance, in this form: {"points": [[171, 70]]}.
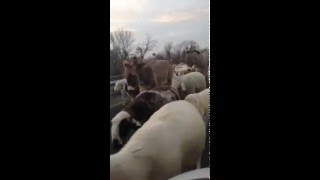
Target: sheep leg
{"points": [[123, 97], [159, 82]]}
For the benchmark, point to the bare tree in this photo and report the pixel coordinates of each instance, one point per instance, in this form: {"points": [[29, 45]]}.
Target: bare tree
{"points": [[190, 43], [115, 63], [180, 50], [148, 45], [167, 50], [159, 56], [121, 41], [176, 56]]}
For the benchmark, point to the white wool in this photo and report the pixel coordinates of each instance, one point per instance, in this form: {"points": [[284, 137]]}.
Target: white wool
{"points": [[190, 82], [182, 69], [169, 95], [179, 66], [131, 88], [200, 101], [125, 95], [120, 85], [163, 147], [177, 81], [122, 115]]}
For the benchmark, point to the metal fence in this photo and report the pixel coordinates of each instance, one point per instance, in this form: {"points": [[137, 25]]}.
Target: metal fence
{"points": [[116, 77]]}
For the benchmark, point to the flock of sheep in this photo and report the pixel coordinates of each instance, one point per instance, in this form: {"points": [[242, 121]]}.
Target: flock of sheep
{"points": [[161, 131]]}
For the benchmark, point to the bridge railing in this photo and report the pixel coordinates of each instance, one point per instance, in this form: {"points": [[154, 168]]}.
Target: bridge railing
{"points": [[116, 77]]}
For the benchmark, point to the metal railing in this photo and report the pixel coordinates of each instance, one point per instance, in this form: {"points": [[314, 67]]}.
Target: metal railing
{"points": [[116, 77]]}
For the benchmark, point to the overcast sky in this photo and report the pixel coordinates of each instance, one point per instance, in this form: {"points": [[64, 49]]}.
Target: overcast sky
{"points": [[165, 20]]}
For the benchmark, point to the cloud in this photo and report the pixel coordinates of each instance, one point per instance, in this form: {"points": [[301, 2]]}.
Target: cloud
{"points": [[182, 17], [165, 20], [126, 10]]}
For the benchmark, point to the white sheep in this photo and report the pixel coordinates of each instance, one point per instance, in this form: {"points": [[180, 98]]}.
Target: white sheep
{"points": [[121, 86], [169, 143], [182, 69], [201, 102], [192, 82], [181, 65]]}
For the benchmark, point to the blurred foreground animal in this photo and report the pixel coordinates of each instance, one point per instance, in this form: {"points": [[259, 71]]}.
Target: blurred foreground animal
{"points": [[169, 143], [201, 102], [199, 174], [136, 113]]}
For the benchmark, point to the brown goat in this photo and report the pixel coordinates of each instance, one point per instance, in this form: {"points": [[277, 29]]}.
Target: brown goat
{"points": [[148, 74]]}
